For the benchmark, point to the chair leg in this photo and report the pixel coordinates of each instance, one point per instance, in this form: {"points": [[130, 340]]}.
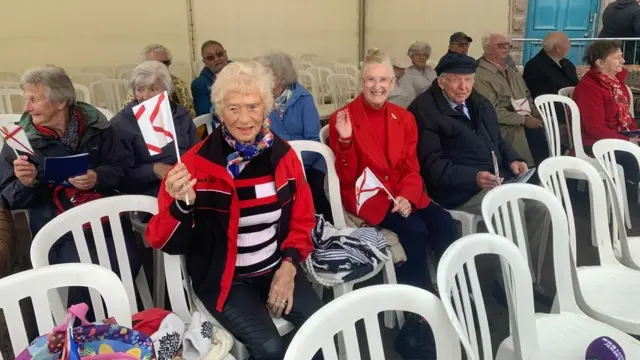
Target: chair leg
{"points": [[159, 281], [542, 250], [389, 277], [239, 351], [581, 185], [625, 199], [473, 226], [318, 288], [143, 289], [339, 290]]}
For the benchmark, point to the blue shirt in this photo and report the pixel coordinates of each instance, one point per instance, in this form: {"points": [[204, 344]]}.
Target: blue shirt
{"points": [[453, 106]]}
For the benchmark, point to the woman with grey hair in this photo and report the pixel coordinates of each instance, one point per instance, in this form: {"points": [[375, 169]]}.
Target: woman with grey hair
{"points": [[57, 126], [145, 171], [419, 75], [295, 117], [240, 210]]}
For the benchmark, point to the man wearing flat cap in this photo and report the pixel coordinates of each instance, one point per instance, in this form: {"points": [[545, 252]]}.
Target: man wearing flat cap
{"points": [[403, 92], [457, 134]]}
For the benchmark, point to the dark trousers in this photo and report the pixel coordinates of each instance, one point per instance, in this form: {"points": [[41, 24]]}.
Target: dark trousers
{"points": [[428, 228], [246, 317], [315, 178], [631, 172], [64, 251], [537, 141]]}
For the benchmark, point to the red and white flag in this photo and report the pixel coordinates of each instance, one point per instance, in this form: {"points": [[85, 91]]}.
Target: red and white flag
{"points": [[156, 123], [15, 136], [367, 186]]}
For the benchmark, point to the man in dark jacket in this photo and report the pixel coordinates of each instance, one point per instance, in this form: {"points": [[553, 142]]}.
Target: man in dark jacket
{"points": [[546, 73], [457, 134], [621, 19], [214, 57]]}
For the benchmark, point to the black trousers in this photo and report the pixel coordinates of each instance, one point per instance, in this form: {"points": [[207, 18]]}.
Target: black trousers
{"points": [[537, 141], [431, 227], [315, 178], [246, 317]]}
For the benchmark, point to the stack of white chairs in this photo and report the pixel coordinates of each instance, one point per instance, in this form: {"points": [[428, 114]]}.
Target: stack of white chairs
{"points": [[9, 76], [84, 92], [110, 94], [123, 70], [341, 89], [36, 284], [105, 71], [9, 85], [87, 79]]}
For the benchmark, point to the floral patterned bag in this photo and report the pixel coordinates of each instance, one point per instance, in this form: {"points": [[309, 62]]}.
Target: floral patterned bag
{"points": [[89, 341]]}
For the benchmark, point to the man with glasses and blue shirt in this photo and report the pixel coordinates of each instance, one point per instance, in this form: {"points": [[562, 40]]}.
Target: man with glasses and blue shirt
{"points": [[214, 57], [458, 139]]}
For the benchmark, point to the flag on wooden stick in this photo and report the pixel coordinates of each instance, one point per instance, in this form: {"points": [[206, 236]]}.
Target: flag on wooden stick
{"points": [[156, 123]]}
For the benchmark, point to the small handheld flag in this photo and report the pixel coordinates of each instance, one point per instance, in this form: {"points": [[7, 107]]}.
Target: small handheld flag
{"points": [[16, 138], [367, 186]]}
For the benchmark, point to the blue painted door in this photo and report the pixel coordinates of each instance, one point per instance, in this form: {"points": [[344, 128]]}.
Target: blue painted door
{"points": [[577, 18]]}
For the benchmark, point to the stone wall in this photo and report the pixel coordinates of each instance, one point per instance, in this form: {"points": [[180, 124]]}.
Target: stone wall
{"points": [[517, 26]]}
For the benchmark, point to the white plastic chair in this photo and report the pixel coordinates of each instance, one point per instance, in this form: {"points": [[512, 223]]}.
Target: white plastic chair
{"points": [[9, 76], [11, 101], [308, 81], [604, 151], [106, 71], [9, 85], [87, 79], [569, 323], [10, 119], [184, 302], [107, 113], [543, 336], [324, 135], [86, 94], [547, 109], [92, 212], [37, 283], [546, 103], [567, 91], [335, 201], [340, 316], [207, 120], [608, 292], [340, 87], [346, 69], [122, 70], [321, 73], [110, 93]]}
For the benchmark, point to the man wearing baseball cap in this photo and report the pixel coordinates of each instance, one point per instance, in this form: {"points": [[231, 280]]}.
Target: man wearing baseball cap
{"points": [[458, 137], [403, 93], [459, 43]]}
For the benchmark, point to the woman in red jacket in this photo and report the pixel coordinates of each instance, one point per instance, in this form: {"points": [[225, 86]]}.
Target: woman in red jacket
{"points": [[240, 209], [603, 100], [372, 133]]}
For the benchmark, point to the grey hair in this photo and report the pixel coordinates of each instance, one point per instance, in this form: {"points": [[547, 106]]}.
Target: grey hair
{"points": [[148, 72], [156, 48], [244, 77], [59, 88], [377, 56], [281, 65], [486, 38], [419, 47]]}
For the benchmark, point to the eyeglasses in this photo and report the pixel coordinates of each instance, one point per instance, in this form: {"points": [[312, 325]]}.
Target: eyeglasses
{"points": [[460, 80], [371, 81], [166, 63], [216, 55], [463, 44], [504, 45]]}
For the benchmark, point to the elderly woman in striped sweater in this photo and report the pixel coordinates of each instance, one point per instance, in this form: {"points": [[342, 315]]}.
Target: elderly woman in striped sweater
{"points": [[241, 211]]}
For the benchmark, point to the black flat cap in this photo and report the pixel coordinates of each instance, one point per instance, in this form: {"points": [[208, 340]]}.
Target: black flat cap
{"points": [[456, 37], [453, 63]]}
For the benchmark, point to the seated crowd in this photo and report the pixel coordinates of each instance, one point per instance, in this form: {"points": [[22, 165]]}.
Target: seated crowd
{"points": [[240, 205]]}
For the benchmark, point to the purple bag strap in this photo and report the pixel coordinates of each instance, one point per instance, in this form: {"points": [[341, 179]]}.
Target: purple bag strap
{"points": [[77, 311]]}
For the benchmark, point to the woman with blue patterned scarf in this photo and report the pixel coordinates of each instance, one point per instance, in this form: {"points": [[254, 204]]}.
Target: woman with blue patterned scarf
{"points": [[239, 208]]}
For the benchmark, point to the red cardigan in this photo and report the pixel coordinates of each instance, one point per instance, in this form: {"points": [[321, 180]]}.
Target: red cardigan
{"points": [[598, 109], [397, 168]]}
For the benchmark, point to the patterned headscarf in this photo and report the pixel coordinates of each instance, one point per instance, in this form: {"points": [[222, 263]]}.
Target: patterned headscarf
{"points": [[280, 103], [237, 160]]}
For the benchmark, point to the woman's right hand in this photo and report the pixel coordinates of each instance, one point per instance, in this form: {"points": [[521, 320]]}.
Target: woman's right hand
{"points": [[343, 125], [179, 183]]}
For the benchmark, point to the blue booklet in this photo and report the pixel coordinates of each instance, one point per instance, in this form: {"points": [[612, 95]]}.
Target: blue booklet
{"points": [[58, 170]]}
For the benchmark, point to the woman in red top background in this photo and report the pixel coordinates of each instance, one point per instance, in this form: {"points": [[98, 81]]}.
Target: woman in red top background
{"points": [[372, 133], [603, 100]]}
